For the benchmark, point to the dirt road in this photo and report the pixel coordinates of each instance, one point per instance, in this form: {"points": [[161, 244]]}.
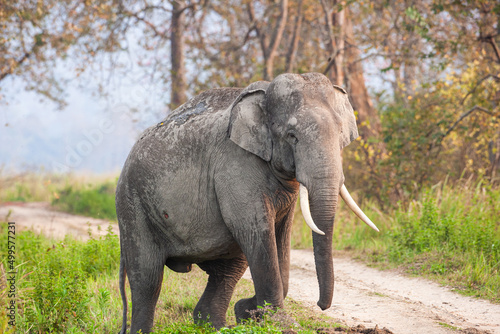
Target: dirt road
{"points": [[371, 297], [41, 218], [362, 295]]}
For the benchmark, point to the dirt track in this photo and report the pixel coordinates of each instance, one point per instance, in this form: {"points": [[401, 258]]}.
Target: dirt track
{"points": [[362, 295]]}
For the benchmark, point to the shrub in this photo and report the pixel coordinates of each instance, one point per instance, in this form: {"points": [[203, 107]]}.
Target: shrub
{"points": [[100, 256], [96, 201], [59, 296]]}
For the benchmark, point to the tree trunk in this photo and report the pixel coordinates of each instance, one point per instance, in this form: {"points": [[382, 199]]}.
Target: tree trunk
{"points": [[334, 24], [178, 71], [294, 44], [358, 93], [270, 46], [275, 41]]}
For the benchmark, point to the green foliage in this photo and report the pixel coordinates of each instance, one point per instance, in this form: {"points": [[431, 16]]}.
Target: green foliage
{"points": [[446, 232], [247, 327], [29, 187], [100, 256], [96, 201], [88, 196], [447, 128], [53, 280], [59, 298], [21, 193]]}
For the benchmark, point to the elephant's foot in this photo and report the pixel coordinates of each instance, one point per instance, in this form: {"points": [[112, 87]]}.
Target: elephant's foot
{"points": [[202, 316], [246, 309]]}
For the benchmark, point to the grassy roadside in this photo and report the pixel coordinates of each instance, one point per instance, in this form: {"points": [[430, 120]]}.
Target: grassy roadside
{"points": [[450, 234], [71, 286]]}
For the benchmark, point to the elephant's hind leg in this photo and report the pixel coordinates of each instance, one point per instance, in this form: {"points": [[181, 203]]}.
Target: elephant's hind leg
{"points": [[223, 274], [145, 274]]}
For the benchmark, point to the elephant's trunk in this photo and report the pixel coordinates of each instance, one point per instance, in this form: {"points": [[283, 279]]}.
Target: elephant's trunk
{"points": [[323, 204]]}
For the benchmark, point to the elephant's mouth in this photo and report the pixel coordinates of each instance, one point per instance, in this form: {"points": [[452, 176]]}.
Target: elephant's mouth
{"points": [[306, 211]]}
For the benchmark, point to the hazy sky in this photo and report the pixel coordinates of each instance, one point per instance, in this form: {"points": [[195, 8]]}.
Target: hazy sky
{"points": [[91, 134]]}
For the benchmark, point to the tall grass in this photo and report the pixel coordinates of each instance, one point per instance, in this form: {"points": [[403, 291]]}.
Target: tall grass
{"points": [[30, 187], [91, 200], [53, 280]]}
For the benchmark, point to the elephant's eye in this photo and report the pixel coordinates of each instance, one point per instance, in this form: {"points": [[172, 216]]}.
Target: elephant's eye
{"points": [[291, 136]]}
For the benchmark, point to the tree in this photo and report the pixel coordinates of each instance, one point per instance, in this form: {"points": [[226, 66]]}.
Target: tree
{"points": [[442, 116], [269, 38], [433, 110], [35, 35]]}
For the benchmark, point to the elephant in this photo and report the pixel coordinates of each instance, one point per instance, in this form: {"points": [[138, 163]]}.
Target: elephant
{"points": [[216, 183]]}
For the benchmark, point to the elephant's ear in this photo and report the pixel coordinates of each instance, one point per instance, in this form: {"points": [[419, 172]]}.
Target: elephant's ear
{"points": [[248, 122], [346, 113]]}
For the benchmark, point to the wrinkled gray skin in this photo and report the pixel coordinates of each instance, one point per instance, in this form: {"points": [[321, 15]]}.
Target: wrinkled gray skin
{"points": [[216, 184]]}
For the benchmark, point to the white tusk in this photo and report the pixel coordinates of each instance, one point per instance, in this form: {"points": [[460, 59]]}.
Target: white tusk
{"points": [[355, 208], [306, 211]]}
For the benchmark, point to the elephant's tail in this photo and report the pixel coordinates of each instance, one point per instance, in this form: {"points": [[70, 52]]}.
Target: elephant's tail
{"points": [[123, 275]]}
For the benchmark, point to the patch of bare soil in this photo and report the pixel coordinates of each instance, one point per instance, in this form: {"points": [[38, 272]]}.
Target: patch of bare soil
{"points": [[388, 300], [365, 299]]}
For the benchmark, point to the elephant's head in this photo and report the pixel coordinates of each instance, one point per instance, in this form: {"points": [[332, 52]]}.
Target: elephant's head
{"points": [[300, 124]]}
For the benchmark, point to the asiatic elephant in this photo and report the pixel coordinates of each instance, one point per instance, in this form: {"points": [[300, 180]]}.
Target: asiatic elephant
{"points": [[216, 184]]}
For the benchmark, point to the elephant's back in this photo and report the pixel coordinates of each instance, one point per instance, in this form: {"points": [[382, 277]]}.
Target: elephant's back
{"points": [[188, 134], [210, 101]]}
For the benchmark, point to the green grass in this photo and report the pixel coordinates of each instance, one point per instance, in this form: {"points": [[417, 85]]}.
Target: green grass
{"points": [[96, 201], [55, 280], [70, 286], [91, 196], [29, 187]]}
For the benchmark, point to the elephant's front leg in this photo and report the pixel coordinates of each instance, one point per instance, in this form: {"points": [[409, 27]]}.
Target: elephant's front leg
{"points": [[283, 232], [257, 239], [263, 263], [249, 214], [283, 243]]}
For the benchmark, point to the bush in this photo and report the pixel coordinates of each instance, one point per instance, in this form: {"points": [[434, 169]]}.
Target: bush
{"points": [[100, 256], [60, 294], [448, 230], [96, 201], [55, 282]]}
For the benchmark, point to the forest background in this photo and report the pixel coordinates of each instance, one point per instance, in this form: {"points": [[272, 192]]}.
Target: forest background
{"points": [[432, 67]]}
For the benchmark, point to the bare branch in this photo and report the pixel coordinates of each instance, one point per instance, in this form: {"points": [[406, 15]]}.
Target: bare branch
{"points": [[269, 48], [473, 90], [465, 114], [335, 21], [146, 22], [261, 35], [278, 29], [5, 73], [495, 47]]}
